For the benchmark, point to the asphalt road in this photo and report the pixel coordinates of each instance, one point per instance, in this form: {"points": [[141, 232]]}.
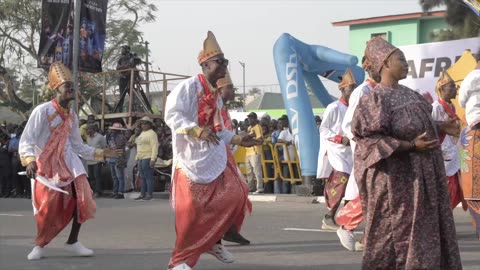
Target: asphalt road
{"points": [[140, 235]]}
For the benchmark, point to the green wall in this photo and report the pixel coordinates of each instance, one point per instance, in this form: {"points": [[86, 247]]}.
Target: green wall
{"points": [[400, 33], [429, 25], [404, 32]]}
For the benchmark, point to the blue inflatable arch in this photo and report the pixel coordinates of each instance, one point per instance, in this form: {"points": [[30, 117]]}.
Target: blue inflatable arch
{"points": [[298, 63]]}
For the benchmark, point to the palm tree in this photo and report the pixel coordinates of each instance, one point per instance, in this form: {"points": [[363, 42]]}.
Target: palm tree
{"points": [[464, 23]]}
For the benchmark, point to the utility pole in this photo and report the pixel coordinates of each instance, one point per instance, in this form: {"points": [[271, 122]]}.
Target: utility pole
{"points": [[76, 49], [147, 85], [34, 92], [243, 66]]}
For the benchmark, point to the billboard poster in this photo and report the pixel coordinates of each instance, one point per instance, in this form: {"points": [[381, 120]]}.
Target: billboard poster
{"points": [[427, 61], [56, 35]]}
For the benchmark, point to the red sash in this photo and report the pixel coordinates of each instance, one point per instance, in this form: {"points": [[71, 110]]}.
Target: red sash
{"points": [[371, 82], [52, 160], [208, 113], [450, 110], [227, 122]]}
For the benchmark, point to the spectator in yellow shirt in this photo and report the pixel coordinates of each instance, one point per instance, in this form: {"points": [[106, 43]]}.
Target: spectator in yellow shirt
{"points": [[147, 151], [253, 155]]}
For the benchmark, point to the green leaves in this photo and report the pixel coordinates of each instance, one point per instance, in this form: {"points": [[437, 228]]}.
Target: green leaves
{"points": [[19, 40], [464, 22]]}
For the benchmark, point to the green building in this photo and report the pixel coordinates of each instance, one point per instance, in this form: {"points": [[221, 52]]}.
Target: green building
{"points": [[400, 30]]}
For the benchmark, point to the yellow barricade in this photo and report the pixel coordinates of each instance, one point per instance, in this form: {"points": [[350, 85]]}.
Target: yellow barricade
{"points": [[240, 157], [276, 161], [272, 162], [294, 174]]}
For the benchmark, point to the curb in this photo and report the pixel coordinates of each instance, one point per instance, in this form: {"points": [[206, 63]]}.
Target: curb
{"points": [[286, 198], [253, 198], [270, 198]]}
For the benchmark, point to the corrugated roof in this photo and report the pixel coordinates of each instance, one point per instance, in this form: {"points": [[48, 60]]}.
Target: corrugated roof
{"points": [[391, 18]]}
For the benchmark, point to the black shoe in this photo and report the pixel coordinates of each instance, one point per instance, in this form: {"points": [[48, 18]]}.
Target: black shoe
{"points": [[119, 196], [98, 195], [113, 195], [236, 238], [147, 198]]}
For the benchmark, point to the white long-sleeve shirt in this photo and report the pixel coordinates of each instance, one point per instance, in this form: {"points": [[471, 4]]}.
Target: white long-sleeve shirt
{"points": [[339, 156], [201, 162], [37, 133], [363, 89], [449, 145], [469, 97]]}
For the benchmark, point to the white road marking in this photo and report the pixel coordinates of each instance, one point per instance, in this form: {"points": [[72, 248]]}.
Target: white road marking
{"points": [[11, 215], [313, 230]]}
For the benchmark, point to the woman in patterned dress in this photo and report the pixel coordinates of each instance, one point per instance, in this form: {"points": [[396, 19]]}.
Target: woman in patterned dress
{"points": [[400, 172]]}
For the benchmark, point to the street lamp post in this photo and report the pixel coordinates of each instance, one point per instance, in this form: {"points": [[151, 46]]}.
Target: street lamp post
{"points": [[243, 66]]}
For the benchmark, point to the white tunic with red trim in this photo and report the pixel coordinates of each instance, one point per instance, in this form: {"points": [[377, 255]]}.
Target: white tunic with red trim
{"points": [[363, 89], [338, 155], [200, 161], [450, 149]]}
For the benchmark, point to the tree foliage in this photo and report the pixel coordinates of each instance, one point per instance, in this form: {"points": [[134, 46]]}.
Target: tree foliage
{"points": [[237, 102], [463, 21], [20, 34], [254, 91]]}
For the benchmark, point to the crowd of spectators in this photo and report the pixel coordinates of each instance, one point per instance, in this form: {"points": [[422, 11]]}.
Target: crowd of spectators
{"points": [[273, 131], [126, 174], [12, 185], [129, 170]]}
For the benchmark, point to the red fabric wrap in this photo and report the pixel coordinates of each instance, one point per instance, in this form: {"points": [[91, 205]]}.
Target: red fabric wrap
{"points": [[335, 188], [350, 216], [204, 212], [56, 209], [455, 192]]}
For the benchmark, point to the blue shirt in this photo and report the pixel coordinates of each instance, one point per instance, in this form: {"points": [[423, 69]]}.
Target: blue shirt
{"points": [[13, 144]]}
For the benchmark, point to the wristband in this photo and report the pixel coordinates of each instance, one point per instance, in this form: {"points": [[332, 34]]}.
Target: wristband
{"points": [[414, 146]]}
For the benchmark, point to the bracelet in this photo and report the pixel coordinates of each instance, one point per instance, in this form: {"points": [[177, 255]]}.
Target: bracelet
{"points": [[414, 146]]}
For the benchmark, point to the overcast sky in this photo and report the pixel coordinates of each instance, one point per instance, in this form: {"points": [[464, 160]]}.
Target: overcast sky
{"points": [[246, 31]]}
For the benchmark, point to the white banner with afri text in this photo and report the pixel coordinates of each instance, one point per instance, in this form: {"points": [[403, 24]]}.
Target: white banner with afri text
{"points": [[427, 61]]}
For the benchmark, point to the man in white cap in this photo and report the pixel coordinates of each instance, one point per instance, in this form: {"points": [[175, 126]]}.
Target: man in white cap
{"points": [[50, 147], [208, 193]]}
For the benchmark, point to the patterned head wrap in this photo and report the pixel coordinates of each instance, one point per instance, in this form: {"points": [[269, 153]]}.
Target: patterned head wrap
{"points": [[378, 50], [210, 48], [444, 79], [347, 79], [58, 75], [224, 81]]}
